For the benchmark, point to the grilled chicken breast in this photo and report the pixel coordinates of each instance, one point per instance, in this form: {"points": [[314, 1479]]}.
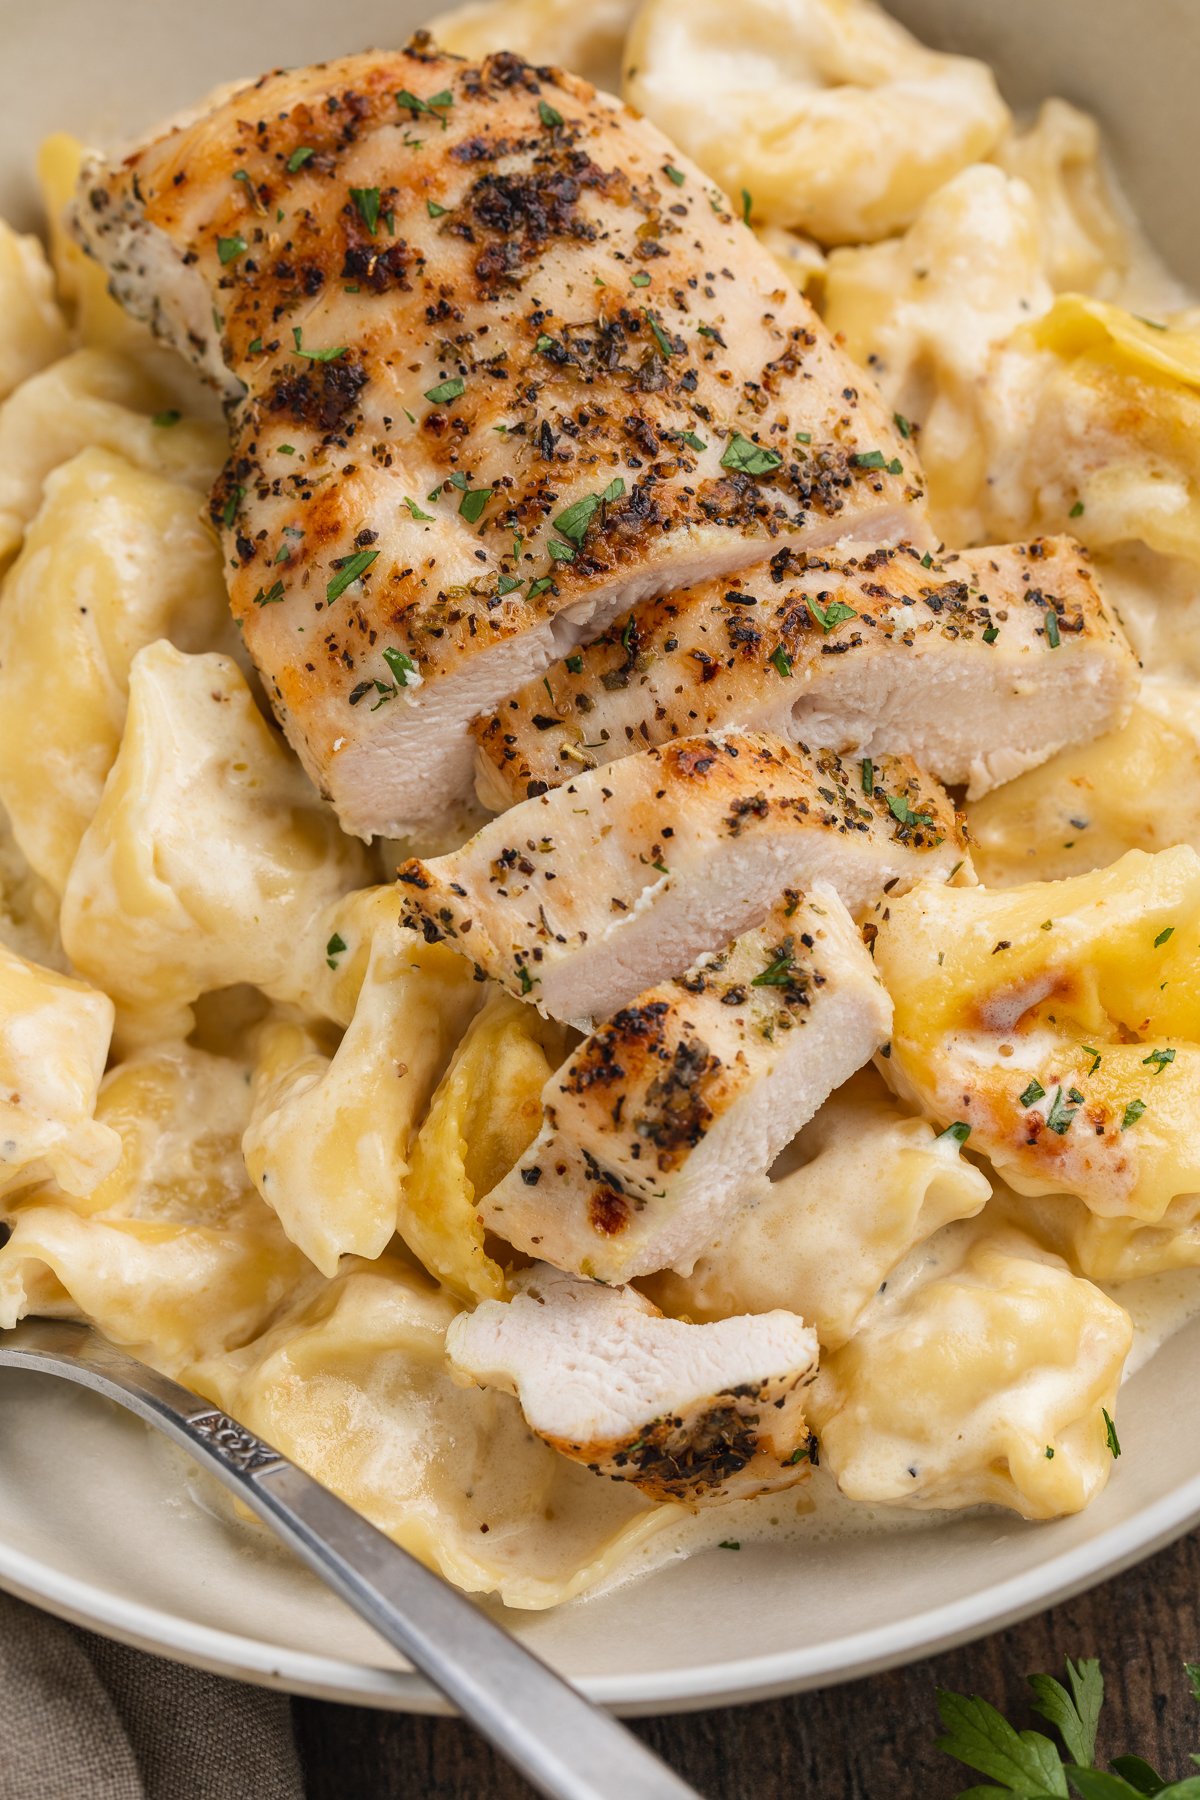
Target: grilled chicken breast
{"points": [[980, 664], [697, 1413], [499, 362], [580, 898], [664, 1122]]}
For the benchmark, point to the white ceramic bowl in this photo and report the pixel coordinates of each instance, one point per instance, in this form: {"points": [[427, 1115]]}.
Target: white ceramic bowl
{"points": [[96, 1521]]}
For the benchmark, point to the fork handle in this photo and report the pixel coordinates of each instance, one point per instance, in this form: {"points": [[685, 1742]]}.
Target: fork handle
{"points": [[565, 1747]]}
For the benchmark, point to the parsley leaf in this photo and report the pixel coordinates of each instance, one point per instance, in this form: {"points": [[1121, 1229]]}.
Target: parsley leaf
{"points": [[833, 615], [958, 1133], [446, 390], [976, 1734], [415, 510], [334, 948], [1159, 1059], [472, 504], [1061, 1117], [269, 596], [1133, 1113], [1075, 1715], [170, 417], [401, 666], [298, 158], [751, 459], [660, 337], [1052, 636], [549, 115], [228, 249], [900, 809], [781, 660], [366, 201], [778, 972], [349, 569], [1035, 1091], [315, 355], [437, 104], [1110, 1434], [573, 523], [1164, 934], [674, 175]]}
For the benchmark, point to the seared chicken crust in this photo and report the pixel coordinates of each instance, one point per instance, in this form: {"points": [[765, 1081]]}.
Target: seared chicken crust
{"points": [[498, 362], [981, 664], [579, 898]]}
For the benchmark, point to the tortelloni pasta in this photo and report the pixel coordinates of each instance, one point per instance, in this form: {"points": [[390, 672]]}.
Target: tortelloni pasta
{"points": [[148, 909], [1134, 789], [1059, 1024], [872, 1182], [585, 39], [54, 1035], [35, 332], [989, 1381], [115, 558], [833, 119], [329, 1135], [1086, 244], [353, 1383], [173, 1252]]}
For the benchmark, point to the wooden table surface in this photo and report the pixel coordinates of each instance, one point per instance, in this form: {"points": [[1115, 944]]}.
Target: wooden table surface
{"points": [[867, 1740]]}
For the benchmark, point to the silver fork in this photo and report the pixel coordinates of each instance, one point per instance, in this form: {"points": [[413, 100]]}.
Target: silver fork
{"points": [[566, 1747]]}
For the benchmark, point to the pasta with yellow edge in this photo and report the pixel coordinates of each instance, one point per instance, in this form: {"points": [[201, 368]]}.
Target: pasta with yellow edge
{"points": [[585, 39], [330, 1131], [485, 1114], [1086, 243], [1060, 1023], [148, 909], [1133, 789], [35, 332], [872, 1182], [54, 1037], [793, 93], [352, 1382], [173, 1253], [115, 558], [986, 1382]]}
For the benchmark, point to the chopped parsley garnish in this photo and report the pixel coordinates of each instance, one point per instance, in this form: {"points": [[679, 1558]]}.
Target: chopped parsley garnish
{"points": [[1154, 324], [900, 809], [674, 175], [1035, 1091], [573, 523], [1097, 1059], [523, 977], [560, 552], [1061, 1116], [415, 510], [613, 491], [366, 201], [991, 633], [286, 449], [875, 459], [230, 247], [315, 355], [436, 104], [1052, 637], [747, 206], [1110, 1434], [446, 390], [640, 279], [269, 596], [691, 440], [170, 417], [336, 947], [781, 660], [802, 1453], [750, 458], [254, 347], [1132, 1114], [927, 561], [833, 615], [545, 342], [434, 210], [868, 775], [958, 1133], [1164, 934], [540, 585], [473, 502], [229, 511], [298, 158], [729, 1544], [903, 425], [401, 666], [779, 971], [549, 115], [660, 337], [804, 437], [507, 583], [349, 569], [575, 664], [1159, 1059], [1076, 511]]}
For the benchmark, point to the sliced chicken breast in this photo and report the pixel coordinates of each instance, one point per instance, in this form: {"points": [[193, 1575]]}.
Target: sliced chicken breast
{"points": [[980, 664], [580, 898], [697, 1413], [499, 362], [664, 1122]]}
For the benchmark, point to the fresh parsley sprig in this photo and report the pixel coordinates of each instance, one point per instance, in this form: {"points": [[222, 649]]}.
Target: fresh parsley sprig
{"points": [[1032, 1766]]}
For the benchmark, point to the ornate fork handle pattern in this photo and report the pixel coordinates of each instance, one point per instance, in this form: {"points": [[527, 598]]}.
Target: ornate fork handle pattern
{"points": [[566, 1747]]}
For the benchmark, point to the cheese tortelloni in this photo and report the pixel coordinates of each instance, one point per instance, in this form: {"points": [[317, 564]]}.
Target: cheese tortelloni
{"points": [[484, 1116], [872, 1181], [987, 1382], [585, 39], [1060, 1022], [353, 1384], [1133, 789], [93, 397], [926, 312], [831, 116], [1086, 244], [330, 1132], [54, 1037], [115, 558], [148, 910], [32, 330], [173, 1252]]}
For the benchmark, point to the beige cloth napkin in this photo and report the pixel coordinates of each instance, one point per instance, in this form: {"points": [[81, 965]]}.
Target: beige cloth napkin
{"points": [[85, 1719]]}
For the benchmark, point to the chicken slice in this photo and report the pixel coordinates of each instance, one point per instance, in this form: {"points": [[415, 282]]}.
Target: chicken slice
{"points": [[981, 665], [499, 363], [698, 1413], [577, 899], [664, 1122]]}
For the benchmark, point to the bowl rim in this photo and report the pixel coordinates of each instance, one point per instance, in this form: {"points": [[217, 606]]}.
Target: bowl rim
{"points": [[719, 1683]]}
